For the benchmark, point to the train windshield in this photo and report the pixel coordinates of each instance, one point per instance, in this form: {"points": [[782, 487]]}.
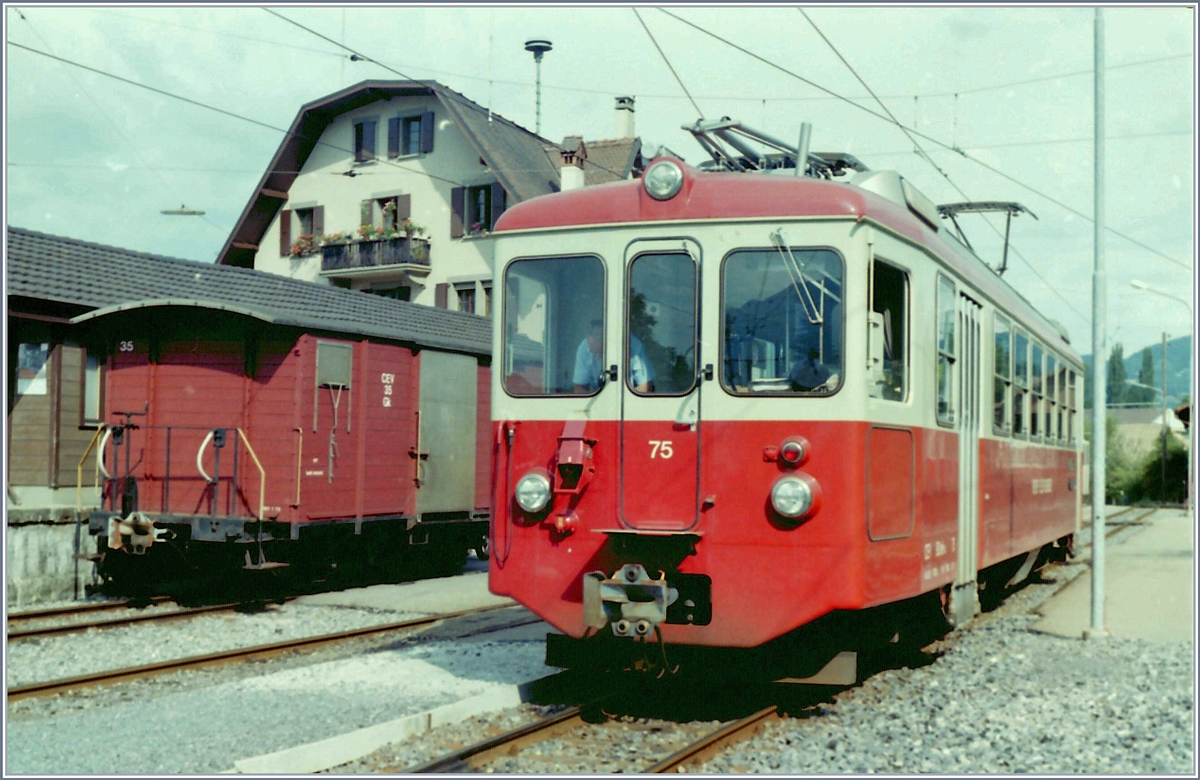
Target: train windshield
{"points": [[782, 321], [554, 326]]}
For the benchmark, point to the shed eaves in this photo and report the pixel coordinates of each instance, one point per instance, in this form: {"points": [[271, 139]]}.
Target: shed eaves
{"points": [[108, 278]]}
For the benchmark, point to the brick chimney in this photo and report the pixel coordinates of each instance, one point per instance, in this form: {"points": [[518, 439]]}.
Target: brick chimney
{"points": [[625, 117], [573, 155]]}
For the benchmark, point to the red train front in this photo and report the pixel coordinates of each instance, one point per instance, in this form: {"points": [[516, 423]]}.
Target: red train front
{"points": [[728, 404]]}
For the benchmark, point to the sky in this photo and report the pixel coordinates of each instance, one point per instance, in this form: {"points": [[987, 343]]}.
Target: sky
{"points": [[998, 102]]}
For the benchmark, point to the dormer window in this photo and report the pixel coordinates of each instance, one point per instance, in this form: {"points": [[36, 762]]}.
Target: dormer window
{"points": [[364, 140]]}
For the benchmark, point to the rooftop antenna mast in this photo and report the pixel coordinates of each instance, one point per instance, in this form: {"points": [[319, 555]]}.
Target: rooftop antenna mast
{"points": [[538, 46]]}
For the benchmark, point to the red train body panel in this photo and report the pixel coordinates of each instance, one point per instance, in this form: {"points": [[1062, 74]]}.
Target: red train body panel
{"points": [[784, 412]]}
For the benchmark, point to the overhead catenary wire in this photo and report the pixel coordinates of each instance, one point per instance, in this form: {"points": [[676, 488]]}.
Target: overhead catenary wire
{"points": [[699, 113], [190, 101], [977, 161], [460, 99], [923, 155], [108, 118], [490, 79]]}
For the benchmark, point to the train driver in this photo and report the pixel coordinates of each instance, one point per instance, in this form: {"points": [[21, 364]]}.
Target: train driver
{"points": [[588, 368], [808, 375]]}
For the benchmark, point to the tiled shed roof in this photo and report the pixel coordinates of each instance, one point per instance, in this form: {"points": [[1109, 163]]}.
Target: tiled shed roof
{"points": [[66, 270]]}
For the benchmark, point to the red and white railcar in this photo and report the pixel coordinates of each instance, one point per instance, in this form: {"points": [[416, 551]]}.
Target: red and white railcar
{"points": [[727, 404]]}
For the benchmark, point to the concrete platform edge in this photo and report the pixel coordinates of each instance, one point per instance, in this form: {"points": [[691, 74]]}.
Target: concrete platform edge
{"points": [[328, 753]]}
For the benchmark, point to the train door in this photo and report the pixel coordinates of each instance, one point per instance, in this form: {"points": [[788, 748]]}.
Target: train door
{"points": [[444, 455], [964, 601], [660, 395]]}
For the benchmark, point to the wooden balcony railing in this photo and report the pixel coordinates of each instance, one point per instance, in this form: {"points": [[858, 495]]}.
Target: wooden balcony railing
{"points": [[375, 254]]}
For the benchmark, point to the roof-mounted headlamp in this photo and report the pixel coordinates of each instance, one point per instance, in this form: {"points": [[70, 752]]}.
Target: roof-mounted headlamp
{"points": [[663, 179]]}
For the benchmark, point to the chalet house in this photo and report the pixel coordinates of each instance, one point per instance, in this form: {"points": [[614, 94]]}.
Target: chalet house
{"points": [[391, 188], [1139, 429]]}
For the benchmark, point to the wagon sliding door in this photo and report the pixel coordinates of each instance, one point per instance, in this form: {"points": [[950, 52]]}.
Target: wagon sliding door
{"points": [[445, 467]]}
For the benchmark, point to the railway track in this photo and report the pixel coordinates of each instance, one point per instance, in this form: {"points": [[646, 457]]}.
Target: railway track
{"points": [[86, 608], [68, 628], [571, 724], [258, 652]]}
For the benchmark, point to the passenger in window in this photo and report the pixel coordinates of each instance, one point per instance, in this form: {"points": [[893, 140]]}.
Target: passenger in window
{"points": [[588, 368]]}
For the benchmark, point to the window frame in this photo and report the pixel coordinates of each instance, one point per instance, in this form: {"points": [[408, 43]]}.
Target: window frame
{"points": [[719, 369], [101, 372], [472, 215], [501, 367], [1021, 383], [696, 324], [465, 290], [950, 418], [906, 324], [363, 154], [1005, 428], [1037, 392]]}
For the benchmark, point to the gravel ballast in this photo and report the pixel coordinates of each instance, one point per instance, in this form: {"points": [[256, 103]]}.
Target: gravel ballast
{"points": [[1000, 698]]}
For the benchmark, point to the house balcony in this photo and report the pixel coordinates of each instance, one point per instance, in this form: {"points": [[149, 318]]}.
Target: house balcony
{"points": [[407, 254]]}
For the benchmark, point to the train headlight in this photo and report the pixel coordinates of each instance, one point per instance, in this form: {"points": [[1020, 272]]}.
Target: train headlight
{"points": [[533, 492], [791, 497], [663, 179]]}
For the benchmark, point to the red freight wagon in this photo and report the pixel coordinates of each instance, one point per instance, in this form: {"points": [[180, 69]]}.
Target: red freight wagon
{"points": [[285, 422], [736, 404]]}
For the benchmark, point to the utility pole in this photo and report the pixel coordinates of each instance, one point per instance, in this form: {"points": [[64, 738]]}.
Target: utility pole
{"points": [[1162, 490], [1099, 375]]}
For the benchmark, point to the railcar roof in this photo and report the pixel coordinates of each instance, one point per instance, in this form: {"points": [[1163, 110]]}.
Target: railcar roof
{"points": [[732, 196], [110, 279]]}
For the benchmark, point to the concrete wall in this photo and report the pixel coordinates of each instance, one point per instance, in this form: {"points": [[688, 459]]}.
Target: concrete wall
{"points": [[40, 563]]}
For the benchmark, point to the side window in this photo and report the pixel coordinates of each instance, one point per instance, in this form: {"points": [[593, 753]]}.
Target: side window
{"points": [[92, 411], [1036, 371], [782, 321], [889, 300], [1071, 402], [364, 140], [32, 369], [1063, 417], [409, 135], [1020, 383], [1051, 399], [946, 354], [554, 327], [1003, 372]]}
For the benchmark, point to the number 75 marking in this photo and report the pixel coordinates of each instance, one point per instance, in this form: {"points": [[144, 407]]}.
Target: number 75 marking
{"points": [[660, 448]]}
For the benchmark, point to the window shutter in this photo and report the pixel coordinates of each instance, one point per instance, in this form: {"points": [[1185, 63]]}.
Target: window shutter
{"points": [[394, 137], [318, 221], [458, 197], [427, 132], [441, 296], [366, 212], [285, 232], [369, 140], [497, 202], [403, 207]]}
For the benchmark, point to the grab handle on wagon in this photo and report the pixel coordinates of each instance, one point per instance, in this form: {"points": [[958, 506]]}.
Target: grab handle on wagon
{"points": [[100, 452], [200, 458]]}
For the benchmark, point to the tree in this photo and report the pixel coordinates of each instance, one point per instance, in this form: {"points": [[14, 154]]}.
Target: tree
{"points": [[1119, 469], [1116, 376], [1147, 482], [1146, 375]]}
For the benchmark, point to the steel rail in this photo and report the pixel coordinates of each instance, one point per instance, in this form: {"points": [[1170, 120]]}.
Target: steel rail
{"points": [[78, 609], [474, 756], [68, 628], [706, 747], [258, 652]]}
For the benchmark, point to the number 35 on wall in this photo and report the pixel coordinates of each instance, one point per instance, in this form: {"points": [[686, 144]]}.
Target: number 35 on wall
{"points": [[125, 346]]}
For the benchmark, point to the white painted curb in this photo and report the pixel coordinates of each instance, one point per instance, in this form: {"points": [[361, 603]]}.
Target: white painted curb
{"points": [[331, 752]]}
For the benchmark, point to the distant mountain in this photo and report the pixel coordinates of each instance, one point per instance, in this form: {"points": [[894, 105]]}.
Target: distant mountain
{"points": [[1179, 363]]}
